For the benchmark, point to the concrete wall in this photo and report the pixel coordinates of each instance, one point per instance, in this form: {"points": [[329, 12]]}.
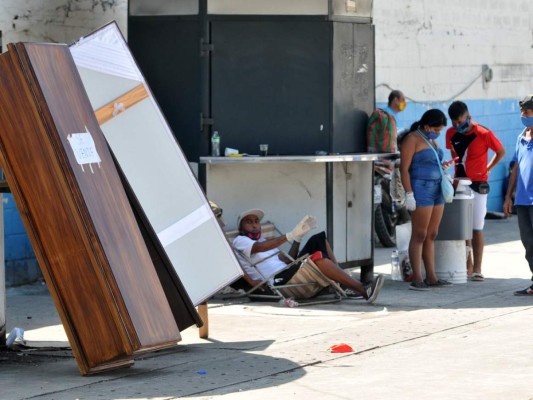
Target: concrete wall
{"points": [[434, 51], [55, 21]]}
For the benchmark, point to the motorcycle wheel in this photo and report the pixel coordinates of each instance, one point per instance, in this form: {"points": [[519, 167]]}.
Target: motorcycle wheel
{"points": [[384, 226], [384, 222]]}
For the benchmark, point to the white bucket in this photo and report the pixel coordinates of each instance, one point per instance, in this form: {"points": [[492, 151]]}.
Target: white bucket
{"points": [[403, 236], [450, 260]]}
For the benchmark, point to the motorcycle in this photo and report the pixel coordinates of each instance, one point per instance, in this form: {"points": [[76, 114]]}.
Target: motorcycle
{"points": [[389, 208]]}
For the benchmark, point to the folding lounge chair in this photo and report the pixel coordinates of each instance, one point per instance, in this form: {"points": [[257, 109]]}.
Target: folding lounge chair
{"points": [[305, 284]]}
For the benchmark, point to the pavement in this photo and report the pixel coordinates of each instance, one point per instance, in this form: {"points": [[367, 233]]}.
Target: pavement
{"points": [[468, 341]]}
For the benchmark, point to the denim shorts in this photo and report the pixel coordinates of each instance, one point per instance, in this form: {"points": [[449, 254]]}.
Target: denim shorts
{"points": [[427, 192]]}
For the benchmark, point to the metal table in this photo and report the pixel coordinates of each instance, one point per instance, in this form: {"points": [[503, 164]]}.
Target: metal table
{"points": [[336, 189]]}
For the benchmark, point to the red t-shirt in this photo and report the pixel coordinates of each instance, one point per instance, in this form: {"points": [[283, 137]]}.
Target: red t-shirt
{"points": [[473, 149]]}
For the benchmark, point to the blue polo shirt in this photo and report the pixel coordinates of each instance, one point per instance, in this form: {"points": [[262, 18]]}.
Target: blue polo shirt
{"points": [[391, 112], [524, 180], [395, 115]]}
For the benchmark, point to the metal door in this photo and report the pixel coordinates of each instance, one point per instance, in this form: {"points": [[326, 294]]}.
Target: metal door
{"points": [[271, 84]]}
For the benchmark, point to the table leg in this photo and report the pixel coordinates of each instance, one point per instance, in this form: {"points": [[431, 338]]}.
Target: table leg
{"points": [[202, 311], [367, 273]]}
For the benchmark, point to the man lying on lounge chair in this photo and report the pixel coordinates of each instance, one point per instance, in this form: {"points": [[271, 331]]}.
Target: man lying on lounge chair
{"points": [[250, 243]]}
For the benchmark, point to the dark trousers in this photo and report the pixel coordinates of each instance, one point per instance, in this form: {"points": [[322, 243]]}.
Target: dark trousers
{"points": [[525, 225], [315, 243]]}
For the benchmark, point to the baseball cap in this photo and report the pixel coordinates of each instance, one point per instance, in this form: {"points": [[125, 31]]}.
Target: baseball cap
{"points": [[254, 211], [526, 102]]}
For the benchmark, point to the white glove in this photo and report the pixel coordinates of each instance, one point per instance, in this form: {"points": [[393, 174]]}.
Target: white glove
{"points": [[305, 225], [410, 202]]}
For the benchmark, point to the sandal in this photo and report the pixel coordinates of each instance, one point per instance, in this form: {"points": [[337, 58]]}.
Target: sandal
{"points": [[421, 286], [477, 277], [439, 283]]}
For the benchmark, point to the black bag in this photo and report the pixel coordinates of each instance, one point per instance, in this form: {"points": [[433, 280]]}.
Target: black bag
{"points": [[480, 187]]}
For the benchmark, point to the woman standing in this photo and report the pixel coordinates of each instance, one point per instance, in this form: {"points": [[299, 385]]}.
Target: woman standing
{"points": [[421, 179]]}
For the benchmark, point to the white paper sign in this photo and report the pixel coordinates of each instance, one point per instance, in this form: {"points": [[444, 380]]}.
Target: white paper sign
{"points": [[84, 149]]}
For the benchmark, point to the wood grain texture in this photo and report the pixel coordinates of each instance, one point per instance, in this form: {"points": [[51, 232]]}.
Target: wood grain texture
{"points": [[80, 223], [121, 104]]}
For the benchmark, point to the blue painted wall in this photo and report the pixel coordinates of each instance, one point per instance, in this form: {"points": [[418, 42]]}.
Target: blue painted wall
{"points": [[501, 116], [21, 264]]}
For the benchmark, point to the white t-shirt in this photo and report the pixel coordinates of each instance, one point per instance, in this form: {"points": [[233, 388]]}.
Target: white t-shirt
{"points": [[269, 267]]}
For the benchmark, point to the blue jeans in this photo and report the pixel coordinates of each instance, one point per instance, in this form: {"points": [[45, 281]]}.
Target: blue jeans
{"points": [[427, 192]]}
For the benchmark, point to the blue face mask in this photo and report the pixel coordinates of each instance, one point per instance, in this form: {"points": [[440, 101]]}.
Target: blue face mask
{"points": [[433, 135], [430, 134], [463, 127], [527, 121]]}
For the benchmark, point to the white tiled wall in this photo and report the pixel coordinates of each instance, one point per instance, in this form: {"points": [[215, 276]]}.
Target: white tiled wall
{"points": [[432, 49]]}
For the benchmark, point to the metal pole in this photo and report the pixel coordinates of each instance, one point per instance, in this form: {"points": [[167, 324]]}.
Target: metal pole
{"points": [[205, 77], [329, 202], [205, 89]]}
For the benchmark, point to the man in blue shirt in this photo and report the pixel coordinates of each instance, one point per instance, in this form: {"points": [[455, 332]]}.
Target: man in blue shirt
{"points": [[382, 129], [522, 180]]}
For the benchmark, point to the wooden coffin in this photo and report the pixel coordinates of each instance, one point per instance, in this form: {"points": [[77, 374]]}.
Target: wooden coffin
{"points": [[77, 215]]}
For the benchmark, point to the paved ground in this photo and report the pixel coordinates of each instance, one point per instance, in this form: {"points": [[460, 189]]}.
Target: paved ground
{"points": [[470, 341]]}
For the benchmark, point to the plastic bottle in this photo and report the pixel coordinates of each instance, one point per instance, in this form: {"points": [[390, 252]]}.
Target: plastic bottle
{"points": [[396, 274], [215, 144], [290, 302]]}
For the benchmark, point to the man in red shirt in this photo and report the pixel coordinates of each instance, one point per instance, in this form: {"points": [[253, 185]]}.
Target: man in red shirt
{"points": [[470, 142]]}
